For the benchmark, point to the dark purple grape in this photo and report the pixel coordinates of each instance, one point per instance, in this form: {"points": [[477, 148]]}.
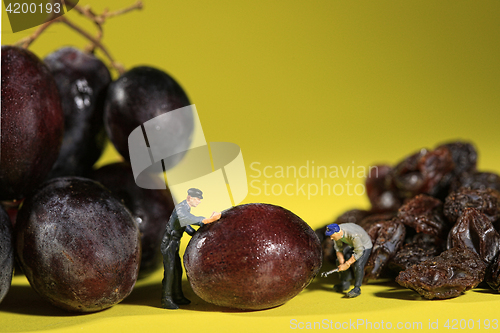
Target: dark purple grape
{"points": [[142, 94], [257, 256], [6, 253], [78, 245], [31, 123], [150, 208], [82, 80]]}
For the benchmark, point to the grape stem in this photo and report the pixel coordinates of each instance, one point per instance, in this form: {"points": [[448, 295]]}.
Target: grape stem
{"points": [[98, 21]]}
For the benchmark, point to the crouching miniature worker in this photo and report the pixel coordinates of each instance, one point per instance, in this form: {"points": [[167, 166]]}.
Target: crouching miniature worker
{"points": [[180, 221], [353, 247]]}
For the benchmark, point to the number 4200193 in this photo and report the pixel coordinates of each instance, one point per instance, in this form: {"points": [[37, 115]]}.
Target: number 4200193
{"points": [[471, 324], [25, 8]]}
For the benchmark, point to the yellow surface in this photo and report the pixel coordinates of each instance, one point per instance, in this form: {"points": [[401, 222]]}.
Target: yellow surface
{"points": [[335, 84]]}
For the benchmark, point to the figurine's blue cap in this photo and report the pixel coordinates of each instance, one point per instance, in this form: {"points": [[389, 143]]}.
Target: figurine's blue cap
{"points": [[194, 192], [332, 229]]}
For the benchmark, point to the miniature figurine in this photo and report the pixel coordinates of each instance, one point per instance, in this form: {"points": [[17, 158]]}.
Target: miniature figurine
{"points": [[180, 221], [355, 255]]}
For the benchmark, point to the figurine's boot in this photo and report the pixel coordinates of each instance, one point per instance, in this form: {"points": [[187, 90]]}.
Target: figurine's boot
{"points": [[168, 303], [177, 293], [356, 291]]}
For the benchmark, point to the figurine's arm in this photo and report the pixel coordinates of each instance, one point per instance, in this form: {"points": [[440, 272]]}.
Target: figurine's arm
{"points": [[340, 257], [186, 218]]}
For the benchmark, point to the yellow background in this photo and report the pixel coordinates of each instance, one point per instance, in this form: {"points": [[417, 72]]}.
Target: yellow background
{"points": [[337, 83]]}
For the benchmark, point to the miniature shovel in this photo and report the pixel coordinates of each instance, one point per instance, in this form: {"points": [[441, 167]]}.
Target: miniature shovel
{"points": [[325, 274]]}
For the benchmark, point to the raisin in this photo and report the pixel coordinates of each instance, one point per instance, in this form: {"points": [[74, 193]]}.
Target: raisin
{"points": [[352, 216], [463, 154], [424, 214], [493, 274], [372, 219], [418, 249], [382, 195], [424, 172], [387, 238], [405, 175], [475, 231], [477, 181], [448, 275], [411, 254], [487, 201]]}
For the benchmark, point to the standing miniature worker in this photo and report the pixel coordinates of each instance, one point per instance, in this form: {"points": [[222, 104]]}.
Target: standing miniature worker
{"points": [[180, 221], [354, 255]]}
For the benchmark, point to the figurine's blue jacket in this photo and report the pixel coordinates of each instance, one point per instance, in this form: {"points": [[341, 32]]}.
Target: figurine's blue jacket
{"points": [[181, 219]]}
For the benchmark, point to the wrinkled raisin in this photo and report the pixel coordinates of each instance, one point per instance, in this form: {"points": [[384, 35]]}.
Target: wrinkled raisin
{"points": [[381, 193], [475, 231], [464, 156], [416, 250], [423, 172], [487, 201], [448, 275], [477, 181], [387, 237], [352, 216], [493, 274], [424, 214], [372, 219]]}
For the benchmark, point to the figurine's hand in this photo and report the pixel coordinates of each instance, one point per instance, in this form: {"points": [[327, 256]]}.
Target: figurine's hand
{"points": [[215, 216], [344, 266]]}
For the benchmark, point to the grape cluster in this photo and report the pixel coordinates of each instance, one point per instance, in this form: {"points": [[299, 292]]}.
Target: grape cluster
{"points": [[76, 240], [434, 221]]}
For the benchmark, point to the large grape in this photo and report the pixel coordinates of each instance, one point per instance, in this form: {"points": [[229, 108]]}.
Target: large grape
{"points": [[32, 123], [82, 80], [78, 245], [142, 94], [151, 209], [6, 253], [257, 256]]}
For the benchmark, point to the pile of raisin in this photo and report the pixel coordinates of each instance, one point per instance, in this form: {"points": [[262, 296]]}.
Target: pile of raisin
{"points": [[434, 222]]}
